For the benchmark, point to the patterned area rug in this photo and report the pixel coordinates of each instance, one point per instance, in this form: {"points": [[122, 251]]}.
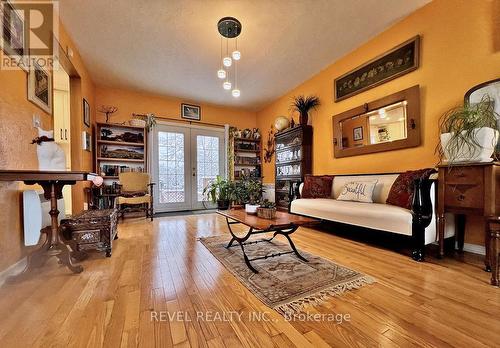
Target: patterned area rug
{"points": [[285, 283]]}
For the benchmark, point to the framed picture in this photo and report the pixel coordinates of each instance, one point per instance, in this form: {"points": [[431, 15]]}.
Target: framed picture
{"points": [[400, 60], [14, 39], [86, 141], [40, 87], [86, 112], [357, 133], [191, 112]]}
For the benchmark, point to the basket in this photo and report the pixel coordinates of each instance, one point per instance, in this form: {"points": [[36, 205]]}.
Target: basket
{"points": [[266, 213]]}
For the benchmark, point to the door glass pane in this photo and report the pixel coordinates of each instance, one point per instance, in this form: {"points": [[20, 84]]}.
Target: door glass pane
{"points": [[207, 157], [171, 167]]}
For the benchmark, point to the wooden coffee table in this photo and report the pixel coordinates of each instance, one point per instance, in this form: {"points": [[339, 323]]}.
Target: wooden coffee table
{"points": [[284, 224]]}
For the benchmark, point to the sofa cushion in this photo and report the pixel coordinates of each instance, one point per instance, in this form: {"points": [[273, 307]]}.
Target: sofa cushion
{"points": [[381, 191], [316, 186], [401, 193], [358, 191], [371, 215]]}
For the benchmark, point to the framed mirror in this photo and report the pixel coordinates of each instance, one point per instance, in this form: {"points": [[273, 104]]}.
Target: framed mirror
{"points": [[389, 123], [492, 89]]}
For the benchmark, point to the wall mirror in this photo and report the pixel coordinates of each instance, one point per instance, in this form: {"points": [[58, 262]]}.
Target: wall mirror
{"points": [[491, 89], [389, 123]]}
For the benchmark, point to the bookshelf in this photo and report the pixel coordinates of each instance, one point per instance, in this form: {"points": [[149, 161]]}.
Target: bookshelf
{"points": [[247, 158], [119, 148]]}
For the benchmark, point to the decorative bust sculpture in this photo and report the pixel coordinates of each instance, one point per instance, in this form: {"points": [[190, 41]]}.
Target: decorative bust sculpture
{"points": [[50, 155]]}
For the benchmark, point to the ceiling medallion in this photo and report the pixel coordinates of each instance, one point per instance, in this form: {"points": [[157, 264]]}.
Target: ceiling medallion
{"points": [[229, 28]]}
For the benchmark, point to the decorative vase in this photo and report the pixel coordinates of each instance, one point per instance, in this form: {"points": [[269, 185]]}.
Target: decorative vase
{"points": [[251, 208], [304, 118], [487, 139]]}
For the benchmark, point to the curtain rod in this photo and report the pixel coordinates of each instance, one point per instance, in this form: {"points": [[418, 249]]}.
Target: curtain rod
{"points": [[181, 120]]}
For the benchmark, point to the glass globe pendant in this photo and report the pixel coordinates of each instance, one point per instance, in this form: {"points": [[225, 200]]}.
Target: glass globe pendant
{"points": [[226, 85], [227, 61], [236, 93], [221, 73], [236, 55]]}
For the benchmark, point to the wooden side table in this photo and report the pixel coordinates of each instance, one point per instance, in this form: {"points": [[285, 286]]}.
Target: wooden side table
{"points": [[494, 233], [52, 183], [468, 189]]}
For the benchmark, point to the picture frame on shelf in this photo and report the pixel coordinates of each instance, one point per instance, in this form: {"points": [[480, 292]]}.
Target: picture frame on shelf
{"points": [[40, 87], [396, 62], [357, 133], [14, 38], [86, 112], [191, 112]]}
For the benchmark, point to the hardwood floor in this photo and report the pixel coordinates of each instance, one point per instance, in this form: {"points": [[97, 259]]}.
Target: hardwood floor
{"points": [[160, 266]]}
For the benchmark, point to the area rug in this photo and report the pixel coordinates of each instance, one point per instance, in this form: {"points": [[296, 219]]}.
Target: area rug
{"points": [[285, 283]]}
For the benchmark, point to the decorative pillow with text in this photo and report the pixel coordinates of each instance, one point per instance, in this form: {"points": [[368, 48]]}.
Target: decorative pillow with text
{"points": [[358, 191]]}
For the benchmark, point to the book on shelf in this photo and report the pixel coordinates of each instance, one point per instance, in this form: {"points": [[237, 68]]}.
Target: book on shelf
{"points": [[115, 170]]}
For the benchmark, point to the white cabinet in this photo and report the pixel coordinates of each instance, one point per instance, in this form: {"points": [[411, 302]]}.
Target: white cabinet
{"points": [[62, 126]]}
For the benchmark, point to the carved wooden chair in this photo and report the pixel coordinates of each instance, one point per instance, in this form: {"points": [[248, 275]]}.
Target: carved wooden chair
{"points": [[136, 193]]}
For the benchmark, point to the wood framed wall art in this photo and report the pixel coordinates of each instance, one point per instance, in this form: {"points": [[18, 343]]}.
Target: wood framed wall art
{"points": [[400, 60], [388, 123]]}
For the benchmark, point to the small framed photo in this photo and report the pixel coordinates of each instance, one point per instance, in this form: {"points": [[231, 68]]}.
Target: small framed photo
{"points": [[191, 112], [86, 141], [40, 87], [357, 133], [86, 112], [14, 37]]}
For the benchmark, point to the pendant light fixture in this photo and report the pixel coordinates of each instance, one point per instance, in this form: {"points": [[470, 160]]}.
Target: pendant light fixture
{"points": [[229, 28]]}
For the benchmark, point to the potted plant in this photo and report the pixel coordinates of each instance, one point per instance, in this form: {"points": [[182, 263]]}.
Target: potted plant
{"points": [[219, 191], [267, 210], [303, 104], [238, 193], [469, 133], [254, 190]]}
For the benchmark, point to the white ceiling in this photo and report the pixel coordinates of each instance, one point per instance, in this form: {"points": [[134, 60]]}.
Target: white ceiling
{"points": [[172, 47]]}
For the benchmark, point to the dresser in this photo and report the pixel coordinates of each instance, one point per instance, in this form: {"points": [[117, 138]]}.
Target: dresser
{"points": [[469, 189]]}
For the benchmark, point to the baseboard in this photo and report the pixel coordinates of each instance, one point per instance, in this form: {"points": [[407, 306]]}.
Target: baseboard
{"points": [[474, 248], [13, 270]]}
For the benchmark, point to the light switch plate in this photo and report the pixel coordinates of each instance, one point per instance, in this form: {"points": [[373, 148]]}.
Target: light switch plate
{"points": [[36, 121]]}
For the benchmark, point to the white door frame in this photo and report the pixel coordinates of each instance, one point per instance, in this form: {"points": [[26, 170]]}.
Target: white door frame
{"points": [[190, 162]]}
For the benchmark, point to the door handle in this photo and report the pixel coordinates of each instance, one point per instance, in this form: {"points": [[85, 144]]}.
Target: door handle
{"points": [[66, 134], [62, 138]]}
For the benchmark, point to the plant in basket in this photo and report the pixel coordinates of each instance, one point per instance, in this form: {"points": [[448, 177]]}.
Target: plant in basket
{"points": [[267, 210]]}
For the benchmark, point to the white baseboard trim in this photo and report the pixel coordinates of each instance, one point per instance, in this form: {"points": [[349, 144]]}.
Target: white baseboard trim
{"points": [[13, 270], [474, 248]]}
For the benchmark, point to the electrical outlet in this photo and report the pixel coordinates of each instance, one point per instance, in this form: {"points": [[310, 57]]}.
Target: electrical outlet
{"points": [[36, 121]]}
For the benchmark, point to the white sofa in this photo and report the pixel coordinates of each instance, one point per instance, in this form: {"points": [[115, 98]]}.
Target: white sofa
{"points": [[420, 224]]}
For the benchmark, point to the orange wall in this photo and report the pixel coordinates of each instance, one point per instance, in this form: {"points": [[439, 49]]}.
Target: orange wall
{"points": [[129, 102], [16, 152], [459, 50]]}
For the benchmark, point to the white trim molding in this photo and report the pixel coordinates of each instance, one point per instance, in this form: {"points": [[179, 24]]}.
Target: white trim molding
{"points": [[474, 248]]}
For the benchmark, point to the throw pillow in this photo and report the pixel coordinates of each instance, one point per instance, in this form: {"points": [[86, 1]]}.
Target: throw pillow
{"points": [[317, 186], [358, 191], [401, 193]]}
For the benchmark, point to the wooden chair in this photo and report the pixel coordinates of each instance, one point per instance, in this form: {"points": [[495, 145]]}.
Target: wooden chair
{"points": [[135, 190]]}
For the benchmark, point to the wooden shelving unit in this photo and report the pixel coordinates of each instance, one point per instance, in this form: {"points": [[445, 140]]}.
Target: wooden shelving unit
{"points": [[247, 158], [113, 143], [293, 162]]}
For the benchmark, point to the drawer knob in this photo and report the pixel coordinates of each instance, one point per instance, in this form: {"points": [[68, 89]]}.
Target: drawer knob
{"points": [[461, 197]]}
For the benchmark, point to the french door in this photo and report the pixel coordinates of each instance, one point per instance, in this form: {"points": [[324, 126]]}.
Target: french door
{"points": [[185, 160]]}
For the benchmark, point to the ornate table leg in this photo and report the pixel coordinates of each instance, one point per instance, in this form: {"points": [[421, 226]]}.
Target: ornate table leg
{"points": [[241, 242], [53, 191], [287, 234], [494, 251]]}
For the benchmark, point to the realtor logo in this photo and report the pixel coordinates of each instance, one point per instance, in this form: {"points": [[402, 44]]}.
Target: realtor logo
{"points": [[29, 29]]}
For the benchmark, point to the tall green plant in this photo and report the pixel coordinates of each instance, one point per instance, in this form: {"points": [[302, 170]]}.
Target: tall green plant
{"points": [[218, 190], [462, 122]]}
